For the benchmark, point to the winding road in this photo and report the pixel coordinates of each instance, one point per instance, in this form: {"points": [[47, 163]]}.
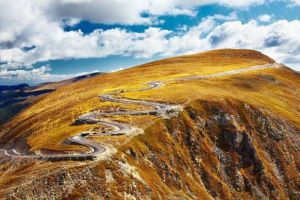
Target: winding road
{"points": [[100, 151]]}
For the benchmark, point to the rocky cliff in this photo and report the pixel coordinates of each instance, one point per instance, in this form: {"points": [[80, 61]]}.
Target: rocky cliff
{"points": [[213, 150]]}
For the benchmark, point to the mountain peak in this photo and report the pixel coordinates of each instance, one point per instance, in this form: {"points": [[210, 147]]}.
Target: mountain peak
{"points": [[209, 125]]}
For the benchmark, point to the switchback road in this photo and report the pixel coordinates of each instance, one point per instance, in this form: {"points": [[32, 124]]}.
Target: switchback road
{"points": [[160, 109]]}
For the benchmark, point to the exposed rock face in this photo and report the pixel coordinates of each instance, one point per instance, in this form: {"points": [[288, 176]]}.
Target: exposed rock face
{"points": [[213, 150]]}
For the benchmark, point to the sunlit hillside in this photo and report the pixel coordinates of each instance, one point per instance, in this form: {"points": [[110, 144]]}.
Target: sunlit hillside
{"points": [[268, 94], [47, 123]]}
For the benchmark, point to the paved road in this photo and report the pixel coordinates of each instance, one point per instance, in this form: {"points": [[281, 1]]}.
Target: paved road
{"points": [[96, 149], [231, 72], [160, 109]]}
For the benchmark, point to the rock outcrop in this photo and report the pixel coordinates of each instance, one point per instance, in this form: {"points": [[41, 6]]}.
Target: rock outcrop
{"points": [[213, 150]]}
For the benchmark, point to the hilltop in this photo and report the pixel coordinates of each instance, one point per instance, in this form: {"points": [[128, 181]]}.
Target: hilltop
{"points": [[221, 129]]}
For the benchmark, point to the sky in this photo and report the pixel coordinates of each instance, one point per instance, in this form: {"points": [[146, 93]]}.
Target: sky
{"points": [[52, 40]]}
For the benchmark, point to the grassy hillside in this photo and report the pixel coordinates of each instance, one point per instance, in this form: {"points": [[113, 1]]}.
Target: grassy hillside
{"points": [[237, 136], [14, 99], [47, 123]]}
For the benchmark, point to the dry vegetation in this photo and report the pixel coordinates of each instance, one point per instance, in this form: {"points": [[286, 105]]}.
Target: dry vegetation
{"points": [[48, 122], [174, 157]]}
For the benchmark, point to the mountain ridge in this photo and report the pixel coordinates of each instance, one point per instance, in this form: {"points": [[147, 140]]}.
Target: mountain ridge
{"points": [[236, 136], [15, 98]]}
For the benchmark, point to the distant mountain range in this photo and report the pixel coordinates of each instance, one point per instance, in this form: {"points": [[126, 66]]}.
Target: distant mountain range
{"points": [[14, 98], [13, 87]]}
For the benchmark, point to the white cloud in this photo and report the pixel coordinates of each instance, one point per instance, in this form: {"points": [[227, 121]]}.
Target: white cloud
{"points": [[131, 11], [265, 18], [33, 23], [116, 70], [241, 3], [40, 74], [279, 40], [39, 26], [296, 2]]}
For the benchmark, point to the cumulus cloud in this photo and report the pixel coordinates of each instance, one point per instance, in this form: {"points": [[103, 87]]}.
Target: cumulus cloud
{"points": [[279, 39], [40, 74], [296, 2], [131, 11], [40, 24], [265, 18], [24, 74], [32, 31]]}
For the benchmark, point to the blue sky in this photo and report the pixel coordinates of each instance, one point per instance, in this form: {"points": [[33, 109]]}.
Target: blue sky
{"points": [[51, 40]]}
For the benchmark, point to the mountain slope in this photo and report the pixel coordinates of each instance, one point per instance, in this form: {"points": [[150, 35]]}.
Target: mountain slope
{"points": [[237, 136], [13, 99]]}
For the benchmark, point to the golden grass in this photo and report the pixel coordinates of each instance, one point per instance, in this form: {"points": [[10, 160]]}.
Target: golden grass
{"points": [[47, 123]]}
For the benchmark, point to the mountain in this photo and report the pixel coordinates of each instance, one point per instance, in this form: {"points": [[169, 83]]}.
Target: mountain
{"points": [[13, 87], [15, 98], [222, 124]]}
